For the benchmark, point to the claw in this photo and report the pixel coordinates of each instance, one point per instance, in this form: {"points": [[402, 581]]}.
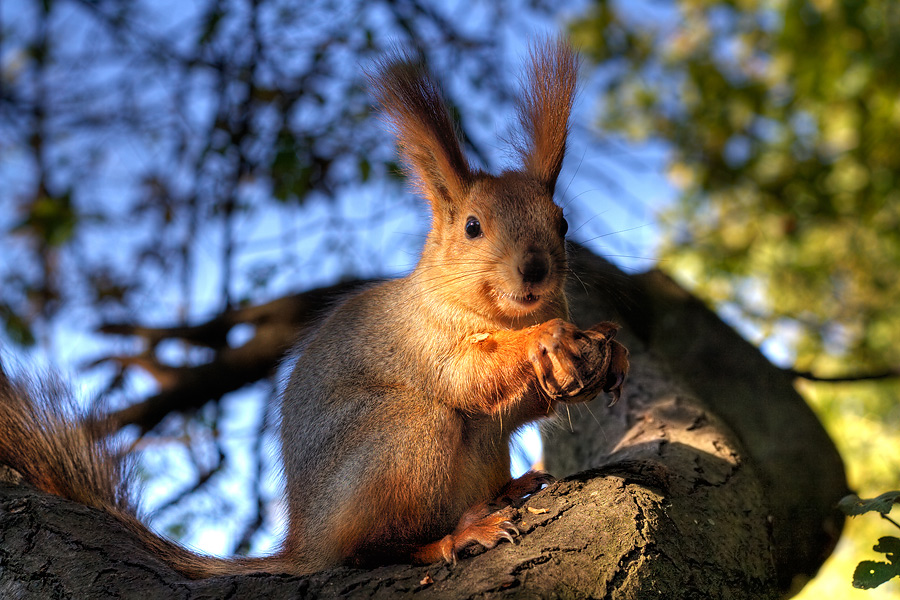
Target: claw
{"points": [[448, 551], [504, 535], [618, 370], [542, 379], [509, 527], [615, 390], [616, 394]]}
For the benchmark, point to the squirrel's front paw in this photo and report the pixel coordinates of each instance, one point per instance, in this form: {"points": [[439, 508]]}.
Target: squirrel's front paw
{"points": [[575, 364], [610, 357], [553, 352]]}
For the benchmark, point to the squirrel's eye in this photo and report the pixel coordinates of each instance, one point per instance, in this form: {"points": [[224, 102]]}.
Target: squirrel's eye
{"points": [[563, 227], [473, 228]]}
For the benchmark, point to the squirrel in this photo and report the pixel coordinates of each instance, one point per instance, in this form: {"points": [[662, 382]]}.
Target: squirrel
{"points": [[397, 416]]}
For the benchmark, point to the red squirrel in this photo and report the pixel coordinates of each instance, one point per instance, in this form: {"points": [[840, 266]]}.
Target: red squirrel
{"points": [[397, 416]]}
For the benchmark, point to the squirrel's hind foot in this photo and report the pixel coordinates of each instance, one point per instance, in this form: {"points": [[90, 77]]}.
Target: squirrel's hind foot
{"points": [[477, 526]]}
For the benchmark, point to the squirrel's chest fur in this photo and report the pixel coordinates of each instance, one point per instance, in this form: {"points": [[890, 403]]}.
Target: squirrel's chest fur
{"points": [[371, 364], [364, 409]]}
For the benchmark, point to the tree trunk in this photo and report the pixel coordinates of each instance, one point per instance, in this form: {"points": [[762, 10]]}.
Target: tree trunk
{"points": [[800, 471], [666, 500]]}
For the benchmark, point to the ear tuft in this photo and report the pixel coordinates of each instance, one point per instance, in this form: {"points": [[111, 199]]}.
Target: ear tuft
{"points": [[414, 105], [545, 107]]}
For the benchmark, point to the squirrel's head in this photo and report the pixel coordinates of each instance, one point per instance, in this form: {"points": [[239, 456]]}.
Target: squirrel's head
{"points": [[497, 243]]}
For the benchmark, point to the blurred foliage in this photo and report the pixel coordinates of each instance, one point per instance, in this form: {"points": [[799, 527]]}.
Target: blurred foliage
{"points": [[782, 118]]}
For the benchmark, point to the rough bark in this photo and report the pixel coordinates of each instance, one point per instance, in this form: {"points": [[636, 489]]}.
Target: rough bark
{"points": [[800, 471], [666, 499]]}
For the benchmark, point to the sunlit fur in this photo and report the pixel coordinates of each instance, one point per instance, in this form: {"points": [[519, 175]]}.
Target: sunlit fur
{"points": [[398, 414]]}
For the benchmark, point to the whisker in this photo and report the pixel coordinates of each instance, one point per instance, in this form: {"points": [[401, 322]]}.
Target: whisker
{"points": [[575, 174], [618, 231], [577, 229]]}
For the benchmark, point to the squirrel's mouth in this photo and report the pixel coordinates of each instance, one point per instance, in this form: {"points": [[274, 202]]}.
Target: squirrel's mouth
{"points": [[519, 304], [528, 300]]}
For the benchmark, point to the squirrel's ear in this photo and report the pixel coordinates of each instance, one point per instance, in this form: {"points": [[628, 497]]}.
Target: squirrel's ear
{"points": [[429, 146], [544, 109]]}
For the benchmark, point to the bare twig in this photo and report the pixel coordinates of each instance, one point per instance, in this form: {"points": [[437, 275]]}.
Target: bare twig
{"points": [[849, 378]]}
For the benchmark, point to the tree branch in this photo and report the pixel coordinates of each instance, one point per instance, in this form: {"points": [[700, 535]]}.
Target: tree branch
{"points": [[850, 378], [277, 325], [799, 468]]}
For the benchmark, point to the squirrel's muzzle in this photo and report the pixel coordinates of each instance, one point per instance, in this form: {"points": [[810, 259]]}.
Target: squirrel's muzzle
{"points": [[534, 267]]}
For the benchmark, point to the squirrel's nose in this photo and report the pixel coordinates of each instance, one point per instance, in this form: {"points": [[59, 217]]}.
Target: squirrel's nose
{"points": [[534, 267]]}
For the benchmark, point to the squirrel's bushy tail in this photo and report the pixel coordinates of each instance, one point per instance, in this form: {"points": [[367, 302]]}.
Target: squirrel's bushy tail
{"points": [[44, 441]]}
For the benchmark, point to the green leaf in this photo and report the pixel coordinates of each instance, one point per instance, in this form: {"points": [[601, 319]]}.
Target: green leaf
{"points": [[870, 574], [853, 505], [291, 174], [176, 530], [51, 219], [889, 546], [17, 328], [365, 169], [211, 25]]}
